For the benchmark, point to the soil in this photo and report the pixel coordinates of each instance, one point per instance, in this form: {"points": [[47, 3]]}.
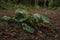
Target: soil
{"points": [[8, 32]]}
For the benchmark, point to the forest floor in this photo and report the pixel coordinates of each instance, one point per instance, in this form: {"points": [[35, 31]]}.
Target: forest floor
{"points": [[8, 32]]}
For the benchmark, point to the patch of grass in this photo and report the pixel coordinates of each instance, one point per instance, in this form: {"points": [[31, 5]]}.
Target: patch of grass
{"points": [[17, 6], [6, 6], [12, 6]]}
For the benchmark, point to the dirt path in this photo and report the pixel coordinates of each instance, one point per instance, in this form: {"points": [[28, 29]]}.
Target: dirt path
{"points": [[8, 32]]}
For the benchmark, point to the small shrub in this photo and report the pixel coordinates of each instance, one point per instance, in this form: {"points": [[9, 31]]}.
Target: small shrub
{"points": [[28, 21]]}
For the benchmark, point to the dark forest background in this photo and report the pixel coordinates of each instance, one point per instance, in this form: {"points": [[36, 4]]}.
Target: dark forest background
{"points": [[9, 4]]}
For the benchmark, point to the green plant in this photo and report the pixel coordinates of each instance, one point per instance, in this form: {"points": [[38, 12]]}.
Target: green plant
{"points": [[28, 28], [6, 18], [28, 21]]}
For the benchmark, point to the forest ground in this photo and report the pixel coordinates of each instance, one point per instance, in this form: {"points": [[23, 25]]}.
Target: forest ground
{"points": [[8, 32]]}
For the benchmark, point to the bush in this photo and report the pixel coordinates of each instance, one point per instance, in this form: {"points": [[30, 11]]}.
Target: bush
{"points": [[28, 21]]}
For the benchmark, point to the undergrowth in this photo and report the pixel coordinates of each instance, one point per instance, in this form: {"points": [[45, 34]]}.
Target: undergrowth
{"points": [[29, 22]]}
